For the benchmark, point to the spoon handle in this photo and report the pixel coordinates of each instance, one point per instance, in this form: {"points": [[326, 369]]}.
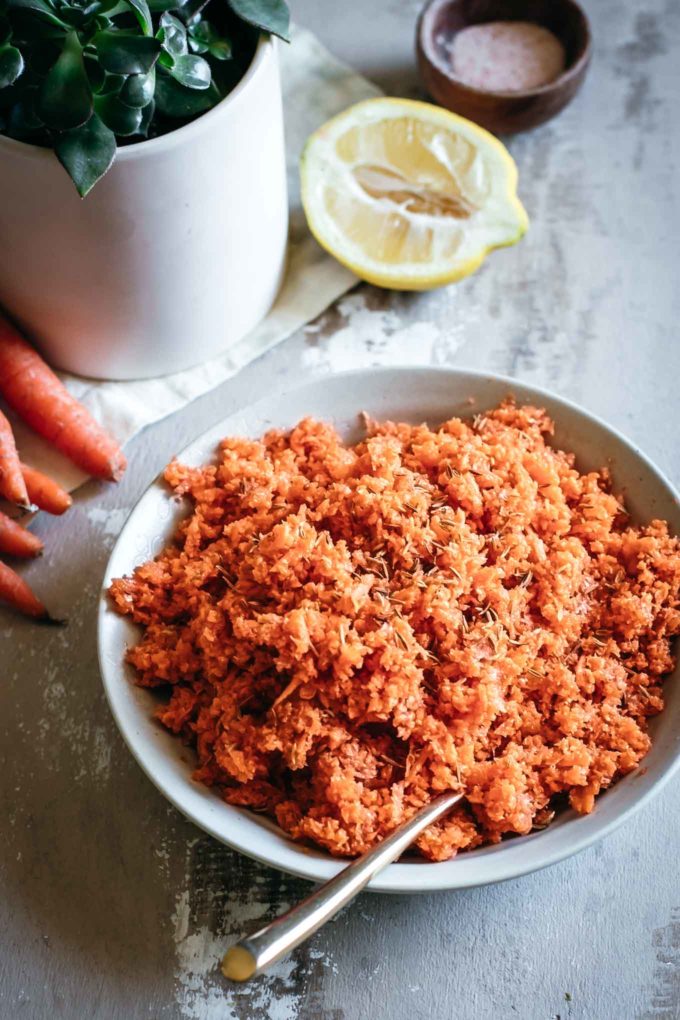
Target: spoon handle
{"points": [[251, 956]]}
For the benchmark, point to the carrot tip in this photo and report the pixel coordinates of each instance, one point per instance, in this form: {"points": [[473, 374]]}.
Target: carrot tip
{"points": [[51, 621], [118, 468]]}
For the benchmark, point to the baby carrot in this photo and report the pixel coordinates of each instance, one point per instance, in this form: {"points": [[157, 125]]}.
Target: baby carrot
{"points": [[45, 492], [17, 541], [16, 593], [12, 485], [33, 390]]}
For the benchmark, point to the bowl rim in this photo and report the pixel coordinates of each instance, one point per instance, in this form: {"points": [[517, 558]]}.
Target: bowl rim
{"points": [[425, 45], [295, 859]]}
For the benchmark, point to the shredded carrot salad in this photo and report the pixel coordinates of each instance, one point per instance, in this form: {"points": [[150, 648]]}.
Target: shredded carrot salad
{"points": [[345, 631]]}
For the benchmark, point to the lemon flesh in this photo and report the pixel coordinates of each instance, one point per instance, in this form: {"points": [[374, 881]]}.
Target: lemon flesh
{"points": [[408, 195]]}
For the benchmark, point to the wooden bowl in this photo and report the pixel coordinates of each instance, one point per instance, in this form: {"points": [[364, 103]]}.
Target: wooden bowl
{"points": [[502, 112]]}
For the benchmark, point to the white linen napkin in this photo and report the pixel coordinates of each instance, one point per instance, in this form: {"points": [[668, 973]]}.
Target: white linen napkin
{"points": [[315, 87]]}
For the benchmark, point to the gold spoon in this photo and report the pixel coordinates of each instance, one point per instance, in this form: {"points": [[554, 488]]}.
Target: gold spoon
{"points": [[251, 956]]}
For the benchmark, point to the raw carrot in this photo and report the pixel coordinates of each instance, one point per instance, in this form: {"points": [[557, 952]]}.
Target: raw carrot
{"points": [[15, 592], [33, 390], [17, 541], [12, 485], [45, 492]]}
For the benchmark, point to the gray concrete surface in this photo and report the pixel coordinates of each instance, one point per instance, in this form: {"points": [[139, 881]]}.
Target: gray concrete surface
{"points": [[111, 905]]}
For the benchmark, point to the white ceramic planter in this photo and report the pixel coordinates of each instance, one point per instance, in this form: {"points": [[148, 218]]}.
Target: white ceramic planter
{"points": [[174, 255]]}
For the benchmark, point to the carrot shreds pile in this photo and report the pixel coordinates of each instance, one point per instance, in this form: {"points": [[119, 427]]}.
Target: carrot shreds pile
{"points": [[342, 632]]}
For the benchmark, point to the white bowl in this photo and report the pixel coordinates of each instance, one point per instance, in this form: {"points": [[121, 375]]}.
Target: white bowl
{"points": [[407, 395]]}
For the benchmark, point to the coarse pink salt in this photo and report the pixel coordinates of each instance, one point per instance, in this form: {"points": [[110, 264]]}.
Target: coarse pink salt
{"points": [[507, 56]]}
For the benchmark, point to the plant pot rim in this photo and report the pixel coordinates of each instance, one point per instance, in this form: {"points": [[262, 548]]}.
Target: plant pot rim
{"points": [[264, 52]]}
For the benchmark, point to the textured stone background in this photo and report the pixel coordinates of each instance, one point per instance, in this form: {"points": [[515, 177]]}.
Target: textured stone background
{"points": [[111, 905]]}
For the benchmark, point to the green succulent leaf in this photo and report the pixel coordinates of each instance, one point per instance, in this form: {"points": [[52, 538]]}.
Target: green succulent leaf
{"points": [[221, 49], [91, 9], [86, 153], [271, 15], [175, 100], [110, 9], [147, 117], [125, 52], [143, 14], [41, 7], [138, 90], [204, 38], [157, 6], [191, 71], [196, 46], [95, 72], [73, 16], [66, 95], [122, 119], [202, 31], [112, 84], [11, 65], [76, 74], [173, 35]]}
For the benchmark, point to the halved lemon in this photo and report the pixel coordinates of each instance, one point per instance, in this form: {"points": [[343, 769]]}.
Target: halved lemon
{"points": [[408, 195]]}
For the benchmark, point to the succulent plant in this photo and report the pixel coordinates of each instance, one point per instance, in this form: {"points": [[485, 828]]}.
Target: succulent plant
{"points": [[82, 76]]}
